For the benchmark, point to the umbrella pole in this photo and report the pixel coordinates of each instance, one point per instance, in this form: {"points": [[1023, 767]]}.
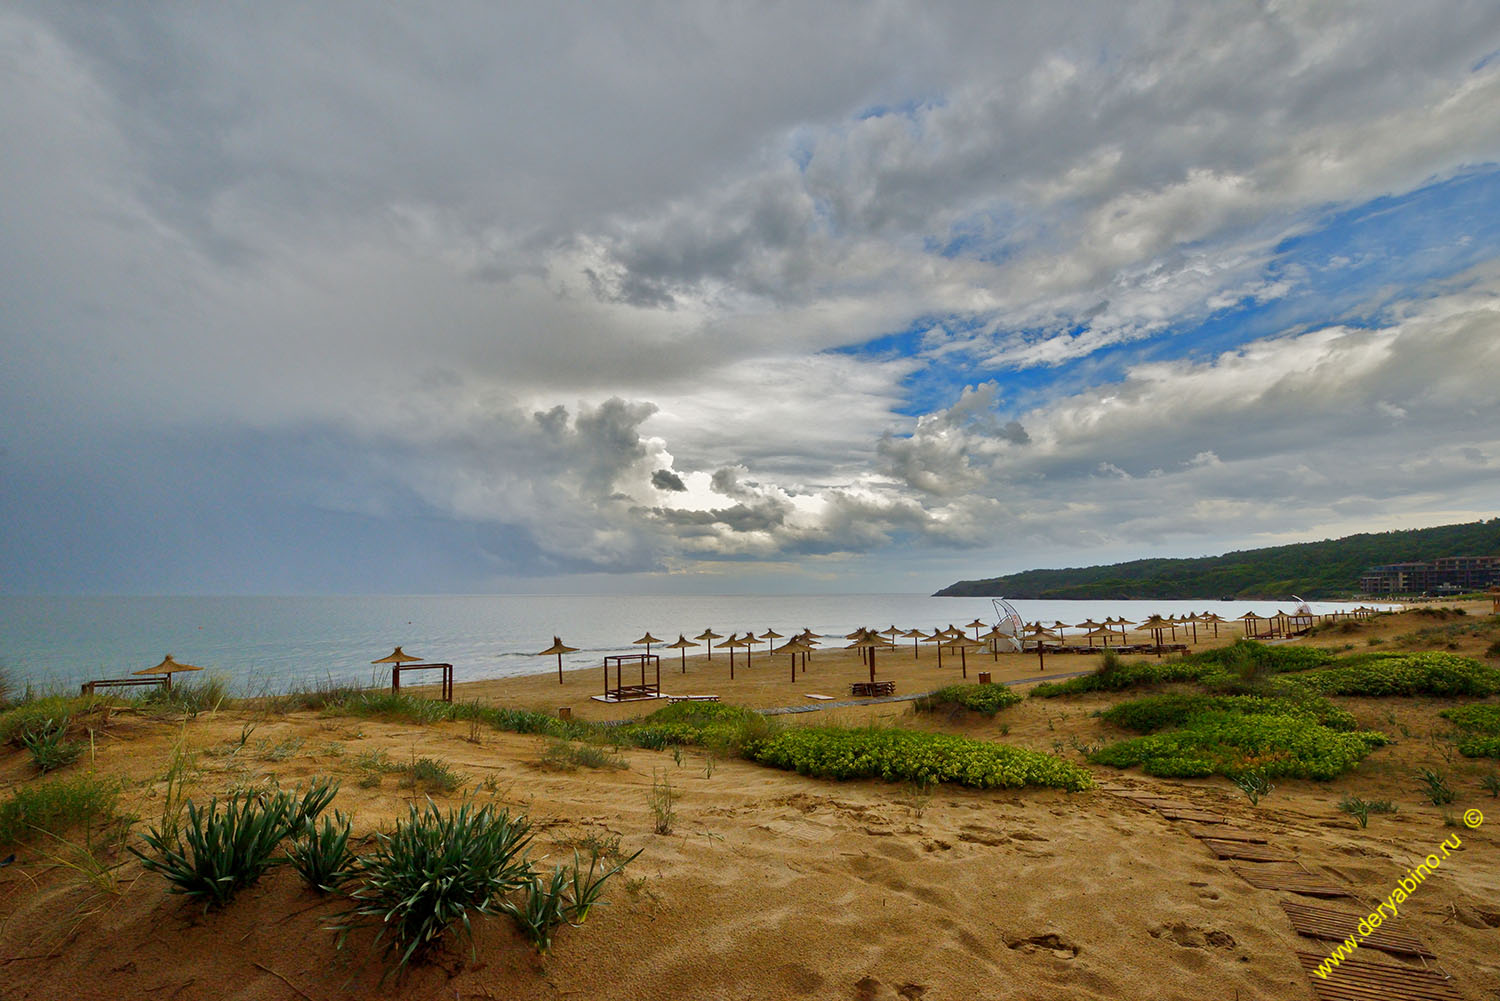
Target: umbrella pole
{"points": [[683, 651], [1040, 660], [963, 658], [559, 669], [872, 665], [794, 668]]}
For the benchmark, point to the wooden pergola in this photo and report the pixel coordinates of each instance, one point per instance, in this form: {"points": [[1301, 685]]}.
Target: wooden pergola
{"points": [[625, 693], [400, 661]]}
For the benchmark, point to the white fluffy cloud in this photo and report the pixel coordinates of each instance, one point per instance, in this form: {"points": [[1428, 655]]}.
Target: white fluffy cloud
{"points": [[582, 281]]}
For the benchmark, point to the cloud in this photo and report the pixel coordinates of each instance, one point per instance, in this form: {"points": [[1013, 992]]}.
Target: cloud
{"points": [[553, 291]]}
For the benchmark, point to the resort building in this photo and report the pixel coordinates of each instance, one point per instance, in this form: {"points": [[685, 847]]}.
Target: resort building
{"points": [[1445, 575]]}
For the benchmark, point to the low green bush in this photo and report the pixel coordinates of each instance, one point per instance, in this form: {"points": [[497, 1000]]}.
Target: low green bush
{"points": [[1479, 730], [985, 699], [38, 809], [1382, 674], [1129, 674], [897, 755], [1218, 742], [1279, 659], [428, 874], [1161, 712], [49, 747], [45, 712], [220, 851], [321, 853]]}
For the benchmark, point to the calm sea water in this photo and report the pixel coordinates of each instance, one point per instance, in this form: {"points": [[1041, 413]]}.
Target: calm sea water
{"points": [[271, 644]]}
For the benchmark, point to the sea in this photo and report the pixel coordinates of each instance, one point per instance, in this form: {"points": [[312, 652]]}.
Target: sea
{"points": [[262, 645]]}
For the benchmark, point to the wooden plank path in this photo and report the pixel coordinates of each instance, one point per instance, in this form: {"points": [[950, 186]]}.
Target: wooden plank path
{"points": [[1291, 876], [1336, 926], [1271, 869], [1356, 980]]}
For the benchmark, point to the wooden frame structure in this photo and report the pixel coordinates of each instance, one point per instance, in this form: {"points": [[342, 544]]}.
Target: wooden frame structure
{"points": [[623, 692], [447, 680], [162, 681]]}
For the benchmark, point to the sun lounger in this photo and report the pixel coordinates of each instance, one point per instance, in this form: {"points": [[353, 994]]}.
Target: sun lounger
{"points": [[692, 698], [872, 688]]}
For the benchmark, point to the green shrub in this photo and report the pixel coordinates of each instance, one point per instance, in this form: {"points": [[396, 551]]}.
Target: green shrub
{"points": [[1280, 659], [49, 748], [221, 851], [321, 853], [564, 755], [50, 710], [897, 755], [1161, 712], [1255, 784], [429, 774], [1479, 730], [57, 807], [1376, 674], [191, 697], [1434, 785], [1216, 742], [432, 870], [1129, 674], [985, 699]]}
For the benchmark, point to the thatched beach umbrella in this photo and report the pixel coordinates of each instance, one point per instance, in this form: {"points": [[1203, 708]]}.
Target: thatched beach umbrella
{"points": [[733, 643], [682, 644], [937, 639], [169, 667], [794, 647], [749, 639], [1038, 632], [1250, 620], [1156, 624], [1099, 633], [993, 638], [557, 647], [1122, 622], [976, 625], [1213, 617], [963, 646], [397, 656], [914, 635], [709, 635], [868, 645], [647, 639], [768, 636]]}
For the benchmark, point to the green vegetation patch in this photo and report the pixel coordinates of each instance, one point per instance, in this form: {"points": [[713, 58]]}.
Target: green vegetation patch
{"points": [[1379, 674], [1279, 659], [897, 755], [1118, 676], [38, 809], [1479, 730], [986, 699], [714, 725], [1163, 712], [1224, 742]]}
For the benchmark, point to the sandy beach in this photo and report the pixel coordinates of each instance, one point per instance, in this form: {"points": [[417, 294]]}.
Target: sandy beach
{"points": [[770, 884]]}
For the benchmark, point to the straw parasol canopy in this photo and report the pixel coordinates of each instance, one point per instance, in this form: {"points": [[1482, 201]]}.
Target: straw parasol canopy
{"points": [[976, 625], [708, 635], [398, 656], [914, 635], [892, 632], [682, 644], [169, 667], [768, 636], [993, 638], [1099, 632], [1156, 624], [647, 639], [557, 647], [1122, 622]]}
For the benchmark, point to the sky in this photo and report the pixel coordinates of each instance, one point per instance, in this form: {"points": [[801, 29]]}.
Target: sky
{"points": [[734, 297]]}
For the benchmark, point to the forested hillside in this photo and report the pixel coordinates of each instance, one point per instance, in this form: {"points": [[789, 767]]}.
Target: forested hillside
{"points": [[1327, 569]]}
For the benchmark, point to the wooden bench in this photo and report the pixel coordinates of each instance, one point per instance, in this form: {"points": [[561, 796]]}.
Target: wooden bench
{"points": [[872, 688], [157, 681]]}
